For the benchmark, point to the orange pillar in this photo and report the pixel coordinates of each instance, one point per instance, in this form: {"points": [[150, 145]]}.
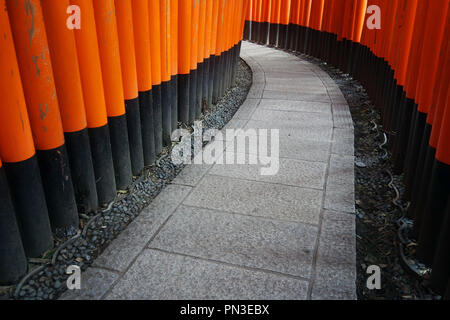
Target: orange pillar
{"points": [[94, 101], [155, 47], [219, 65], [435, 226], [428, 221], [410, 88], [166, 101], [285, 7], [274, 21], [125, 31], [108, 44], [200, 59], [184, 52], [407, 16], [18, 153], [174, 61], [69, 90], [248, 20], [193, 95], [43, 110], [144, 77], [434, 30], [212, 91], [208, 80]]}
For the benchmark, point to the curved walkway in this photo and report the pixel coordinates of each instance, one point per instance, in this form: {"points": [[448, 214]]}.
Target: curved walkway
{"points": [[228, 232]]}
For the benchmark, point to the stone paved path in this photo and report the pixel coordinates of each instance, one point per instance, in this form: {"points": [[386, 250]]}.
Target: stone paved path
{"points": [[226, 232]]}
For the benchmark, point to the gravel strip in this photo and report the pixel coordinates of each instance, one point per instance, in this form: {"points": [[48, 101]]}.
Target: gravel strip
{"points": [[100, 228]]}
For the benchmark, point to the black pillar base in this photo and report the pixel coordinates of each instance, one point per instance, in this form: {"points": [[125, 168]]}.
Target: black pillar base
{"points": [[192, 95], [433, 215], [28, 198], [82, 170], [166, 109], [183, 98], [174, 101], [58, 188], [157, 118], [13, 262], [147, 126], [103, 164], [132, 109]]}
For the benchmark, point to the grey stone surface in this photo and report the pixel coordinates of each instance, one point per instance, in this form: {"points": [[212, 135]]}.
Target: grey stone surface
{"points": [[256, 91], [191, 174], [236, 124], [300, 96], [284, 247], [341, 116], [301, 118], [341, 171], [163, 276], [297, 70], [95, 283], [271, 77], [257, 199], [341, 135], [246, 109], [297, 106], [124, 249], [340, 197], [343, 148], [343, 141], [292, 172], [336, 258], [296, 87], [291, 148], [338, 99], [291, 129]]}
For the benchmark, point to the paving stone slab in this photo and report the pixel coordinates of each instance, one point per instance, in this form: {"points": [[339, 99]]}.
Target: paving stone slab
{"points": [[260, 199], [299, 70], [341, 171], [343, 148], [295, 106], [256, 91], [336, 258], [295, 77], [289, 147], [342, 117], [342, 134], [301, 118], [291, 129], [279, 246], [306, 83], [340, 197], [319, 97], [292, 172], [235, 124], [296, 88], [192, 174], [163, 276], [124, 249], [95, 283], [246, 110]]}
